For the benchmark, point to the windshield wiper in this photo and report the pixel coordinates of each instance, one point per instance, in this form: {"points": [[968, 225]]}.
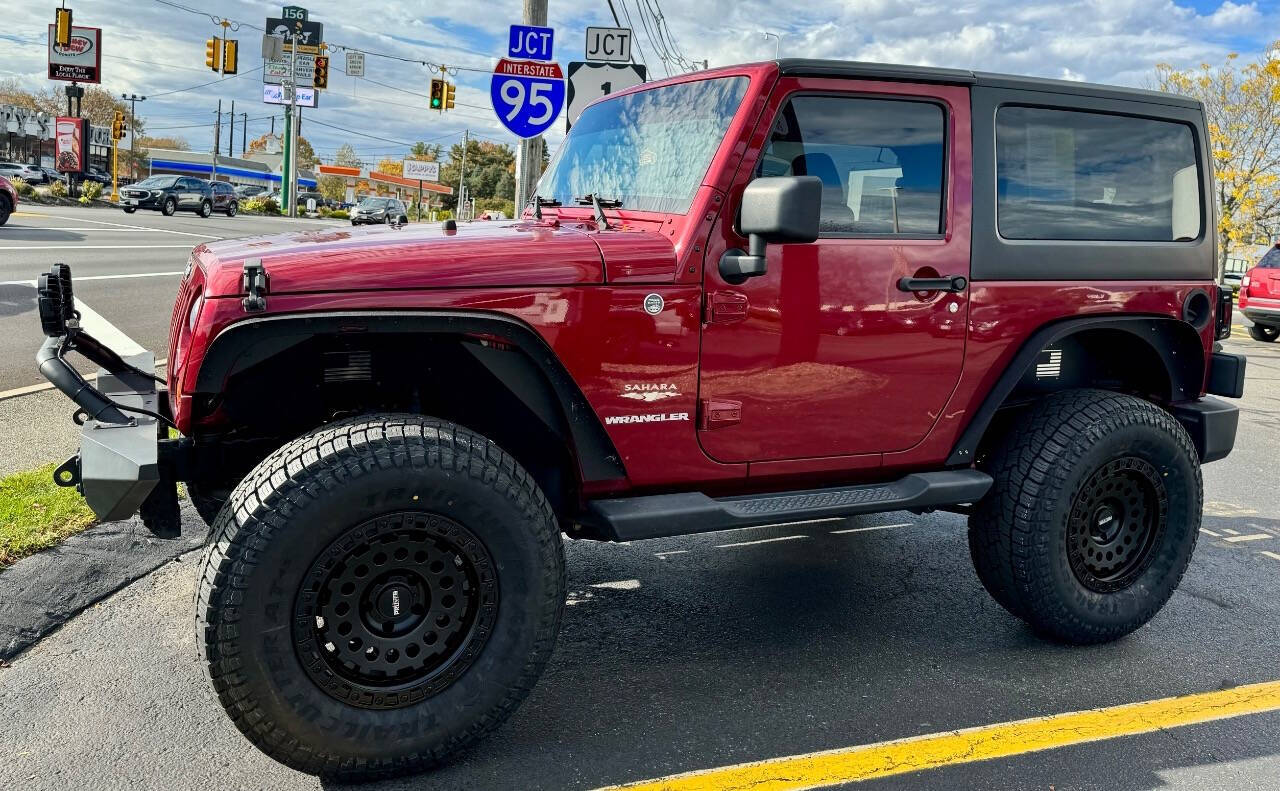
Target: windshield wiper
{"points": [[597, 203]]}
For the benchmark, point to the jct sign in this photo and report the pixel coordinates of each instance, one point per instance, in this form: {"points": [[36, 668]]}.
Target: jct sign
{"points": [[79, 61]]}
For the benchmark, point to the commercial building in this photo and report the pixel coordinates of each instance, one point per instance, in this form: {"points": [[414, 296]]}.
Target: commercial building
{"points": [[362, 183], [250, 170]]}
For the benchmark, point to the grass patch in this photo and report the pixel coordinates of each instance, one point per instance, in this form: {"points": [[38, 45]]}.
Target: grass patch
{"points": [[36, 513]]}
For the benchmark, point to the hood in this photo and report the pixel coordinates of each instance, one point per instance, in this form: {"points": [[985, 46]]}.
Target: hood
{"points": [[415, 256]]}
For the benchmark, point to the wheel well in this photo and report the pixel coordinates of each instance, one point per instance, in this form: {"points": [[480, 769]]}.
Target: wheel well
{"points": [[1159, 359], [482, 383]]}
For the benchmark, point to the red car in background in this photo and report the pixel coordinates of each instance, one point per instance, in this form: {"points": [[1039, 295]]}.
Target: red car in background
{"points": [[8, 199], [1260, 297]]}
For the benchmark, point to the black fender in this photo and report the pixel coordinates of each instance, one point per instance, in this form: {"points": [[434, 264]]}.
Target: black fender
{"points": [[537, 376], [1177, 344]]}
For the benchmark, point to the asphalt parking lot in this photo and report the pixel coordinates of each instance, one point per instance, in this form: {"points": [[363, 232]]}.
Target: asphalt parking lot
{"points": [[687, 654]]}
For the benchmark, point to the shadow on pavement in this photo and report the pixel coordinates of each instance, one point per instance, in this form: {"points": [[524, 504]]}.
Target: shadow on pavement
{"points": [[16, 300]]}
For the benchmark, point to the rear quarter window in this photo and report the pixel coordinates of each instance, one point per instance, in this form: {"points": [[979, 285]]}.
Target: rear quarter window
{"points": [[1077, 175]]}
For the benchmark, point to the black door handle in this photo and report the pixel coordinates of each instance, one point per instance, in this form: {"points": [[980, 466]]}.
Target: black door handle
{"points": [[918, 284]]}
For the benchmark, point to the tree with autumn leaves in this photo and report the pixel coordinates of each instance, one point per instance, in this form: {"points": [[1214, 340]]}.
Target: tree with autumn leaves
{"points": [[1242, 106]]}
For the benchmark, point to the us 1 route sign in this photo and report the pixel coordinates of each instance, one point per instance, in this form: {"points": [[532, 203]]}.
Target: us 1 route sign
{"points": [[527, 95]]}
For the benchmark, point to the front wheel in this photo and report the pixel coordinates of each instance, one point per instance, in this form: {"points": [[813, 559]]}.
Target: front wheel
{"points": [[169, 207], [1262, 333], [233, 209], [129, 209], [6, 209], [378, 595], [1092, 517]]}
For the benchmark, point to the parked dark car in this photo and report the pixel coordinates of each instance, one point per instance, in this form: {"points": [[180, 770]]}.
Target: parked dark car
{"points": [[379, 210], [225, 199], [100, 176], [8, 199], [168, 194], [245, 191]]}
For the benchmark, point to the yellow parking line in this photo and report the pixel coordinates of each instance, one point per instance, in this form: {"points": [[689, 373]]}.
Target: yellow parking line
{"points": [[933, 751]]}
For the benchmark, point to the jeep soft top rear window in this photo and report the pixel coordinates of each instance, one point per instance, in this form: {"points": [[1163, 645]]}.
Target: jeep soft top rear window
{"points": [[1073, 175], [649, 150]]}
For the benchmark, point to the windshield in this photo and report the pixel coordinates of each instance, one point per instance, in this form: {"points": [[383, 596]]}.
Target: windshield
{"points": [[157, 181], [373, 203], [649, 150]]}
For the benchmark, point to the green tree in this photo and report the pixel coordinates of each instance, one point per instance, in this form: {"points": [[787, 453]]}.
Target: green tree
{"points": [[490, 171], [346, 156]]}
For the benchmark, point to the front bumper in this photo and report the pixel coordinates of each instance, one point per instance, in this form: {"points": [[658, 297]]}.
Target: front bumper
{"points": [[368, 219]]}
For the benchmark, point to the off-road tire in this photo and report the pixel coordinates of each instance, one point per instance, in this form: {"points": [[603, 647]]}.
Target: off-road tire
{"points": [[289, 511], [169, 206], [1266, 334], [1043, 468], [206, 209], [6, 209]]}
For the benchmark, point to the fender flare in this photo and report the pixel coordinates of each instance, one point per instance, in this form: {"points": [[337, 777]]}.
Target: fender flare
{"points": [[251, 341], [1161, 333]]}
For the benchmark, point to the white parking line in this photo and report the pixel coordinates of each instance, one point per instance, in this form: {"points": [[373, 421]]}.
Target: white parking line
{"points": [[109, 334], [1272, 555], [1253, 537], [127, 225], [1208, 532], [81, 279], [865, 529], [761, 541], [1230, 532], [618, 585], [100, 247]]}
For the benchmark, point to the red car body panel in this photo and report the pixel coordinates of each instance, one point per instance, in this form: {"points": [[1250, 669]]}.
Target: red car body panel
{"points": [[814, 351]]}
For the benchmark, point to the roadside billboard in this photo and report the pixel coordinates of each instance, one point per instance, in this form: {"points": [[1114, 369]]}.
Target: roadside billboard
{"points": [[79, 61]]}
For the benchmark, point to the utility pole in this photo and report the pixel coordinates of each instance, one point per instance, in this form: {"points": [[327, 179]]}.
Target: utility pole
{"points": [[462, 172], [231, 132], [133, 100], [244, 132], [290, 185], [529, 161], [217, 139]]}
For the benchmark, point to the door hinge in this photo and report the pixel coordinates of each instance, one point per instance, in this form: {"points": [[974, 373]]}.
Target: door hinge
{"points": [[726, 307], [716, 413]]}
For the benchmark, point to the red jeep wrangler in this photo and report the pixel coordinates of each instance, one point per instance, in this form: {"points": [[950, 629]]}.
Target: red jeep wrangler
{"points": [[780, 291]]}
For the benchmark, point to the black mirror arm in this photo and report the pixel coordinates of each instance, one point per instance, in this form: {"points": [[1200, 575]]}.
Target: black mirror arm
{"points": [[736, 266]]}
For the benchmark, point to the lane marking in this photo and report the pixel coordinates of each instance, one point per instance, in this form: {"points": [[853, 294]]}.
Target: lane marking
{"points": [[101, 247], [81, 278], [618, 585], [1208, 532], [670, 552], [867, 529], [127, 225], [1230, 532], [932, 751], [109, 334], [1268, 553], [1252, 537], [761, 541], [40, 388], [126, 229]]}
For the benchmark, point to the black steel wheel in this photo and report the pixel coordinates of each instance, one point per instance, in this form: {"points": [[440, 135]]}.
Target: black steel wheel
{"points": [[1116, 520], [395, 609], [1092, 517]]}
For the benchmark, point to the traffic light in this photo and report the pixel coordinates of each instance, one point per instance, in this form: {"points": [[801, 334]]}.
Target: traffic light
{"points": [[62, 26], [449, 90], [320, 76], [437, 94], [229, 59], [213, 53], [117, 126]]}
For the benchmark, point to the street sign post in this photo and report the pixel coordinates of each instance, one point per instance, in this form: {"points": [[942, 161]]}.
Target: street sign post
{"points": [[80, 60], [355, 64], [276, 72], [590, 81], [609, 44], [527, 95], [279, 94]]}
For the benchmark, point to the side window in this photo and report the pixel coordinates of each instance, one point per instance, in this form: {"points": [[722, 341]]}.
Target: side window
{"points": [[1075, 175], [880, 161]]}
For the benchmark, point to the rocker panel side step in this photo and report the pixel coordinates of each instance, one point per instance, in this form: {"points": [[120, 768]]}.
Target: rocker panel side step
{"points": [[659, 515]]}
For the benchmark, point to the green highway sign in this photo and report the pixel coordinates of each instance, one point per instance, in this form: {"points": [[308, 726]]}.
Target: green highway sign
{"points": [[294, 13]]}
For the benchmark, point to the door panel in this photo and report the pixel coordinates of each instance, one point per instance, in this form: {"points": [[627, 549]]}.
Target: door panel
{"points": [[829, 357]]}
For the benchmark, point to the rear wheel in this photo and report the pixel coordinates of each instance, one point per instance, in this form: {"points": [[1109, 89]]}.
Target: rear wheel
{"points": [[1093, 515], [1260, 332], [378, 595]]}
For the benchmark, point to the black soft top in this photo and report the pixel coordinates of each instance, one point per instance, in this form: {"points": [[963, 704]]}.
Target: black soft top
{"points": [[803, 67]]}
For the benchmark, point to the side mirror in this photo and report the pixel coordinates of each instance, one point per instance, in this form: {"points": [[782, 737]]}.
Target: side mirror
{"points": [[775, 210]]}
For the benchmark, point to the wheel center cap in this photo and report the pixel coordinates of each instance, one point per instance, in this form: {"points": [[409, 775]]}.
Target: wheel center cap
{"points": [[395, 601], [1106, 524]]}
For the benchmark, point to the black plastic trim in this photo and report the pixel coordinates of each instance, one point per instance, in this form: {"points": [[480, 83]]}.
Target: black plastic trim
{"points": [[660, 515], [66, 378], [1186, 371], [1212, 424], [248, 342], [998, 258], [1226, 375]]}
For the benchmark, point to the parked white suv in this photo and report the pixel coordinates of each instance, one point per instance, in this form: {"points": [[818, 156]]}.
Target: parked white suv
{"points": [[31, 174]]}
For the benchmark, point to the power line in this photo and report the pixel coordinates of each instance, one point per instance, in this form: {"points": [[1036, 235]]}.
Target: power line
{"points": [[204, 84]]}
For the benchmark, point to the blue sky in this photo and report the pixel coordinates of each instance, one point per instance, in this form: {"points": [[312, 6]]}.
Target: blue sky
{"points": [[152, 48]]}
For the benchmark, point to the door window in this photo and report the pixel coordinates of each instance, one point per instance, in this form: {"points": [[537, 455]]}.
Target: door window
{"points": [[880, 161]]}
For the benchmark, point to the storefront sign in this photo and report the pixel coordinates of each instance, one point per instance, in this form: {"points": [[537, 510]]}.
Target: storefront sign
{"points": [[79, 61]]}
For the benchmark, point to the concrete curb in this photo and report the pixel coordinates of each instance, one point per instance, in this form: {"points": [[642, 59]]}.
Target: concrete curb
{"points": [[40, 593]]}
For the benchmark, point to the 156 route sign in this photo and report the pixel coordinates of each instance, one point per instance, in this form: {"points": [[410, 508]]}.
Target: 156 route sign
{"points": [[527, 95]]}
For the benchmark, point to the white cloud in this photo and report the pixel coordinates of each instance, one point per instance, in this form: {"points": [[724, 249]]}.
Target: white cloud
{"points": [[1234, 15]]}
